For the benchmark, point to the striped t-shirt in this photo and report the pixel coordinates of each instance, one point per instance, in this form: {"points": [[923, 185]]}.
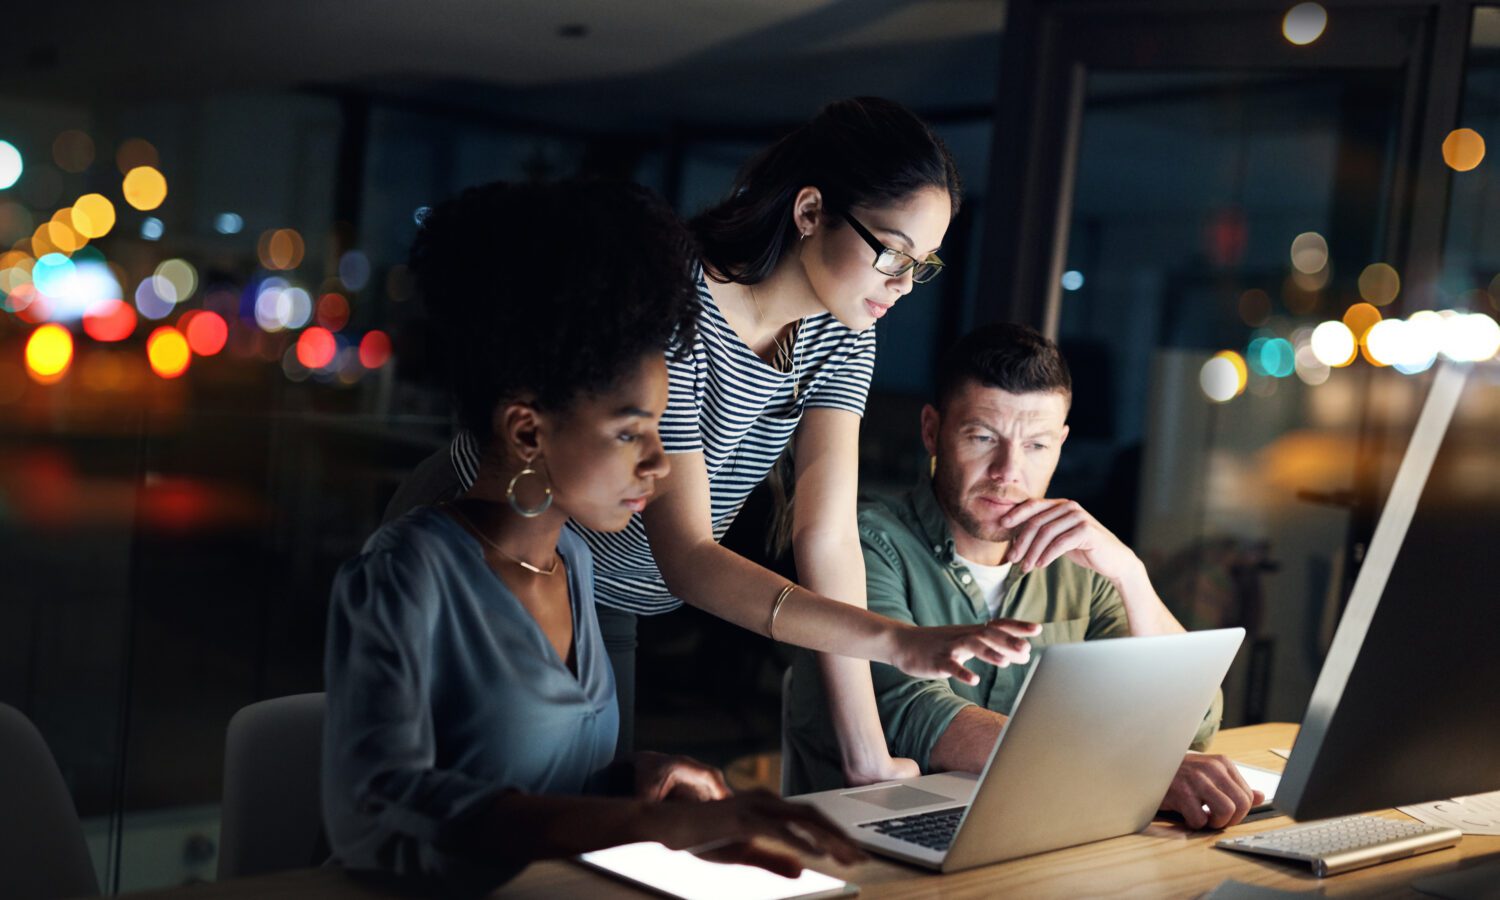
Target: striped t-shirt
{"points": [[741, 413]]}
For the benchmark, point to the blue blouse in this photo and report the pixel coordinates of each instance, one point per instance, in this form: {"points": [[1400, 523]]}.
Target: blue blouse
{"points": [[443, 692]]}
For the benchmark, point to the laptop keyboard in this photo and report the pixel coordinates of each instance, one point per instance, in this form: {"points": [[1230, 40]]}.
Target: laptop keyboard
{"points": [[933, 830]]}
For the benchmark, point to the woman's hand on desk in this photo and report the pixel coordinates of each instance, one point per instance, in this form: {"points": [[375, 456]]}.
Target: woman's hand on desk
{"points": [[659, 776], [941, 651], [1211, 781], [735, 830]]}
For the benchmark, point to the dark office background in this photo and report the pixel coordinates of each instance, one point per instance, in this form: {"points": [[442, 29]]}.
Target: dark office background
{"points": [[169, 542]]}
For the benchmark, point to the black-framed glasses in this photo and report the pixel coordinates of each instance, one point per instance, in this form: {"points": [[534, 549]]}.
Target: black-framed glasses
{"points": [[894, 262]]}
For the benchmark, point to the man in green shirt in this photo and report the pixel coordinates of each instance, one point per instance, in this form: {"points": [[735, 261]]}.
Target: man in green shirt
{"points": [[977, 539]]}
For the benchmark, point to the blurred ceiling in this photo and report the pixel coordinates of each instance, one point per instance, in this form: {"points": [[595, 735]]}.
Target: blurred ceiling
{"points": [[646, 61]]}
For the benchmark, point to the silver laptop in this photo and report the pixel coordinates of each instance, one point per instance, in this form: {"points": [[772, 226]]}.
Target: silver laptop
{"points": [[1095, 738]]}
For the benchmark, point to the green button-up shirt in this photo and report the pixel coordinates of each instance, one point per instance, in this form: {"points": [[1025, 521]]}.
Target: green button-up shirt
{"points": [[913, 575]]}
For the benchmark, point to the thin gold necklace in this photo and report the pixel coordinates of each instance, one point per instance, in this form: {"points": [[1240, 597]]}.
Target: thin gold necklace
{"points": [[500, 550]]}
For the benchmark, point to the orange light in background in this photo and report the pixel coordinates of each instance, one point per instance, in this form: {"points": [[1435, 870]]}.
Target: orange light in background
{"points": [[41, 241], [93, 215], [1360, 318], [316, 347], [168, 353], [136, 153], [207, 333], [281, 249], [49, 352], [73, 151], [63, 235], [374, 349], [1463, 149], [109, 320], [145, 188], [1255, 307], [1304, 23], [1379, 283], [333, 311]]}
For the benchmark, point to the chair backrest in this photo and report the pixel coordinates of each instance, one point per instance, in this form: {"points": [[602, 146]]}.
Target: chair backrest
{"points": [[272, 817], [42, 851]]}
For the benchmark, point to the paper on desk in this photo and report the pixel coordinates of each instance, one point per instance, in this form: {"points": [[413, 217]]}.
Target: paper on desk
{"points": [[1283, 752], [1479, 814]]}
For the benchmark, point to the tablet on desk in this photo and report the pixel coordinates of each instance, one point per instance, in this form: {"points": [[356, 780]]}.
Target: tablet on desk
{"points": [[678, 873]]}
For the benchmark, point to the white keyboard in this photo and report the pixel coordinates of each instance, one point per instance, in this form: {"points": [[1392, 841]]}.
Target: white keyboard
{"points": [[1338, 845]]}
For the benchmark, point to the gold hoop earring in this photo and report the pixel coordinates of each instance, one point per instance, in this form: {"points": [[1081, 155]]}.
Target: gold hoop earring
{"points": [[510, 494], [932, 468]]}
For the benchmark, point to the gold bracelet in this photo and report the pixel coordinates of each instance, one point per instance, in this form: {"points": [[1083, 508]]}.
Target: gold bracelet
{"points": [[776, 608]]}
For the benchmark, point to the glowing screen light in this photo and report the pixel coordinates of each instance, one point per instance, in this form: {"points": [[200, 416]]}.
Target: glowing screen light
{"points": [[1304, 23], [49, 352], [10, 165], [168, 352], [145, 188]]}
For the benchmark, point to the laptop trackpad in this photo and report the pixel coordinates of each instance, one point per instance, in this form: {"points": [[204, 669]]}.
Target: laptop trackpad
{"points": [[897, 796]]}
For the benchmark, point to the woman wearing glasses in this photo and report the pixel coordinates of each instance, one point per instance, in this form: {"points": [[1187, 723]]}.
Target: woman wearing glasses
{"points": [[822, 234]]}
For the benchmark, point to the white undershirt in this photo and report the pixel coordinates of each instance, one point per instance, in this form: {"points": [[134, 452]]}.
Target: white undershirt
{"points": [[989, 579]]}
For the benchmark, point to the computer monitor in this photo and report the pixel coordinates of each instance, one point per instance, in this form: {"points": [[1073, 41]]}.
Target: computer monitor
{"points": [[1407, 706]]}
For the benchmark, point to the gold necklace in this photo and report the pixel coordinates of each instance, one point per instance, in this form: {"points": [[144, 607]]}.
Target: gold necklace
{"points": [[500, 550]]}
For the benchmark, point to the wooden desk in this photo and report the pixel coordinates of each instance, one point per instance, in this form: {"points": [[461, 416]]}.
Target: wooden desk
{"points": [[1165, 860]]}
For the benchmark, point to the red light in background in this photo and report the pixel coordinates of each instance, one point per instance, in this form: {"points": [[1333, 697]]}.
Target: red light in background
{"points": [[374, 350], [109, 320], [316, 347]]}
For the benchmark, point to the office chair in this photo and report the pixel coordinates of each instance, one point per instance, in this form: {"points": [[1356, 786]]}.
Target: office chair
{"points": [[42, 851], [272, 813]]}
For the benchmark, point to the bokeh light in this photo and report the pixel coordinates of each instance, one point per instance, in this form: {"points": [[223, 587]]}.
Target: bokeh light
{"points": [[281, 249], [75, 289], [206, 332], [73, 151], [1072, 280], [1385, 344], [1309, 253], [49, 352], [152, 228], [155, 297], [1360, 318], [145, 188], [1334, 345], [1473, 337], [1277, 357], [51, 274], [109, 320], [354, 270], [1423, 339], [136, 153], [181, 275], [168, 352], [93, 215], [1463, 149], [228, 223], [11, 166], [1255, 307], [62, 234], [316, 347], [1223, 377], [1304, 23], [16, 222], [1379, 283], [333, 311], [1310, 369], [375, 349]]}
